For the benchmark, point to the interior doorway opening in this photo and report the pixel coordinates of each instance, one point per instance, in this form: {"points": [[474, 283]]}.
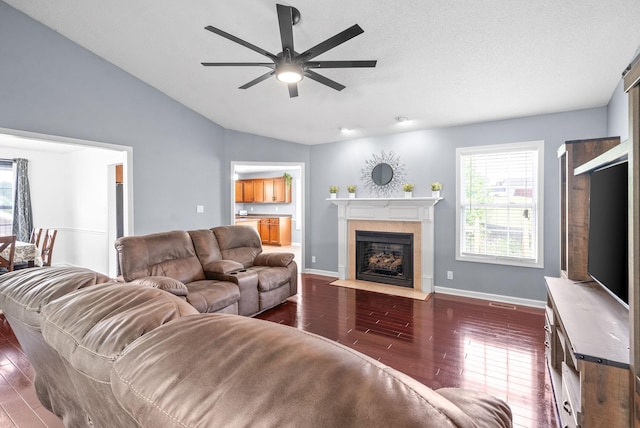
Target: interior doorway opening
{"points": [[73, 191], [256, 208]]}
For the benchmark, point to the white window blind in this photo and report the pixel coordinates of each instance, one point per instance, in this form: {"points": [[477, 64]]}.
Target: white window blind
{"points": [[499, 204]]}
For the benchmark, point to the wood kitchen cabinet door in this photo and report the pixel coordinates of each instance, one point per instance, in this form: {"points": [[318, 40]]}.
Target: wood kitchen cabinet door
{"points": [[239, 192], [258, 190]]}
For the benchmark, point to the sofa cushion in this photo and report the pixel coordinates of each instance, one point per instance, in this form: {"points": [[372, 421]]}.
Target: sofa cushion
{"points": [[270, 278], [239, 243], [24, 292], [206, 246], [211, 295], [159, 254], [90, 328], [271, 375], [273, 259], [165, 283]]}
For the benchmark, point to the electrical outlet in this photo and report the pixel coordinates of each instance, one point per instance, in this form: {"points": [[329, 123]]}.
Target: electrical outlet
{"points": [[276, 209], [449, 274], [199, 209], [313, 259]]}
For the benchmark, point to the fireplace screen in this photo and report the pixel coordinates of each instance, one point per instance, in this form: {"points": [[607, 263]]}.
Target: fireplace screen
{"points": [[385, 257]]}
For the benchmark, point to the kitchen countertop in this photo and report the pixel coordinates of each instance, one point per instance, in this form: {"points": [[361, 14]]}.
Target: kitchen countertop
{"points": [[249, 217]]}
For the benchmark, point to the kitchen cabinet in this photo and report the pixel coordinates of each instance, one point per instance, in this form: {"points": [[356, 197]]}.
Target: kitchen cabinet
{"points": [[263, 190], [245, 191], [275, 231]]}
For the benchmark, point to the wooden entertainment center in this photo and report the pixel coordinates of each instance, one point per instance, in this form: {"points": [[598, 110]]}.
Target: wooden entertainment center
{"points": [[586, 331]]}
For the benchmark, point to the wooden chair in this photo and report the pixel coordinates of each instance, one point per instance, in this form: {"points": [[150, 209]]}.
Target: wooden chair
{"points": [[36, 234], [7, 243], [47, 246]]}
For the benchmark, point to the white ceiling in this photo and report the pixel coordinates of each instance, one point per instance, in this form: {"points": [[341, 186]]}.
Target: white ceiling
{"points": [[440, 62]]}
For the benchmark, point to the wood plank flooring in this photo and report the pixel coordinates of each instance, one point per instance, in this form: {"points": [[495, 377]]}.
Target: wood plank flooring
{"points": [[444, 341]]}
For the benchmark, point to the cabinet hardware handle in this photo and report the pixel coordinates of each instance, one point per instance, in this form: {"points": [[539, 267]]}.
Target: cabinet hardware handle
{"points": [[567, 407]]}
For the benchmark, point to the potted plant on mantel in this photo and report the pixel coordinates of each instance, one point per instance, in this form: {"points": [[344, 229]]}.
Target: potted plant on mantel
{"points": [[333, 191], [408, 190], [436, 186], [351, 188]]}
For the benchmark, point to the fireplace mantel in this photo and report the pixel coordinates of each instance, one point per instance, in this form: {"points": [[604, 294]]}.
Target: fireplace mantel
{"points": [[390, 210]]}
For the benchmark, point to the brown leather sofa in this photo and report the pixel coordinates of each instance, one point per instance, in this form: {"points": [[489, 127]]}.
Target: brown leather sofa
{"points": [[110, 354], [219, 270]]}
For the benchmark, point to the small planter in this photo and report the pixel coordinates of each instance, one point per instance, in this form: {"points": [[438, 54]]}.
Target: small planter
{"points": [[435, 193], [333, 195], [352, 195], [408, 194]]}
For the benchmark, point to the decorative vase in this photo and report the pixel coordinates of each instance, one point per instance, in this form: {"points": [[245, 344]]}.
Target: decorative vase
{"points": [[435, 193], [333, 195], [352, 195], [408, 194]]}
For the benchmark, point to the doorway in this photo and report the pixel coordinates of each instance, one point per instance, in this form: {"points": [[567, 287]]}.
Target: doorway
{"points": [[295, 209], [72, 191]]}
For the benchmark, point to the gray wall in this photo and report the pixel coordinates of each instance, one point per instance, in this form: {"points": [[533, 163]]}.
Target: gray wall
{"points": [[618, 114], [50, 85], [430, 156]]}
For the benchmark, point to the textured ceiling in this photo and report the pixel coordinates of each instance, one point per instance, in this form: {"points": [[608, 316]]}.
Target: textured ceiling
{"points": [[440, 62]]}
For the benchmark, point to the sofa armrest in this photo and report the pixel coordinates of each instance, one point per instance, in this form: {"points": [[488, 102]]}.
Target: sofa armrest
{"points": [[213, 270], [165, 283], [273, 259]]}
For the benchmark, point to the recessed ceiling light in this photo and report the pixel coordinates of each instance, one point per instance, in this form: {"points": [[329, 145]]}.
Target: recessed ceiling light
{"points": [[402, 119], [344, 130]]}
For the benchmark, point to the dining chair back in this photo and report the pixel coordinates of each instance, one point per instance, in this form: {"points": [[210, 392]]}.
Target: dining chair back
{"points": [[7, 252], [36, 234], [47, 246]]}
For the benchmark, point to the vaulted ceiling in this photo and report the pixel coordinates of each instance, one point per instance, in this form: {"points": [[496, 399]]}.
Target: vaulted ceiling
{"points": [[440, 62]]}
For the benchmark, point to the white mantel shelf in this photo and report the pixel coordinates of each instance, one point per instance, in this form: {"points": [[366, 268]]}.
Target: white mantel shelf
{"points": [[389, 209]]}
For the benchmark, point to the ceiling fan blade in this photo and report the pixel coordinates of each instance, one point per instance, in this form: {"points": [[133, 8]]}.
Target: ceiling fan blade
{"points": [[339, 64], [324, 80], [241, 42], [257, 80], [293, 90], [331, 42], [285, 21], [238, 64]]}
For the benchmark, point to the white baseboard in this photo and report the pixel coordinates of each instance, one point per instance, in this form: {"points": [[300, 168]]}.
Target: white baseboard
{"points": [[492, 297], [321, 272]]}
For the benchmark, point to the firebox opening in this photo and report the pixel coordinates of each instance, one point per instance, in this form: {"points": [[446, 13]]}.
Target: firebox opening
{"points": [[385, 257]]}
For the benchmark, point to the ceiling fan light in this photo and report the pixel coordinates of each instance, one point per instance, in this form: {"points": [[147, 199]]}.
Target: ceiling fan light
{"points": [[289, 73]]}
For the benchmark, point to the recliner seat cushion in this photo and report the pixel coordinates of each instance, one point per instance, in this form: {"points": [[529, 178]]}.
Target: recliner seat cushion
{"points": [[211, 295], [270, 278]]}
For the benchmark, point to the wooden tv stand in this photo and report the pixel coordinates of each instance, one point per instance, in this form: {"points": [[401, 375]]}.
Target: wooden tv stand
{"points": [[587, 346]]}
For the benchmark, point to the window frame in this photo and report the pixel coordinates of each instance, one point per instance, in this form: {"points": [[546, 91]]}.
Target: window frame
{"points": [[538, 146]]}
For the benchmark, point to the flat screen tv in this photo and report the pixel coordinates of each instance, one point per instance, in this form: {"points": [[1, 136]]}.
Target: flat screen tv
{"points": [[608, 230]]}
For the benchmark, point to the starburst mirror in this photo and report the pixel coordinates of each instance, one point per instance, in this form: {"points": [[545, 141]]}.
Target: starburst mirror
{"points": [[383, 174]]}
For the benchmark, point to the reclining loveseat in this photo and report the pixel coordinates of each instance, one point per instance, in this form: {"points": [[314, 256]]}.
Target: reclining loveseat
{"points": [[114, 354], [215, 270]]}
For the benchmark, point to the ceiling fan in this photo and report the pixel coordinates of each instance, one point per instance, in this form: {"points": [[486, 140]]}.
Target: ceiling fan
{"points": [[290, 66]]}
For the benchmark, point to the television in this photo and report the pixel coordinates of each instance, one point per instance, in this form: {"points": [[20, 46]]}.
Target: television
{"points": [[608, 230]]}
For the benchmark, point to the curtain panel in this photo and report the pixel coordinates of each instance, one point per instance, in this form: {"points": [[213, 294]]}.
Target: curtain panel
{"points": [[22, 215]]}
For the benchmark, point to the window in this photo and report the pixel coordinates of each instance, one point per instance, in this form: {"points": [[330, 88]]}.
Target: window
{"points": [[499, 204], [6, 197]]}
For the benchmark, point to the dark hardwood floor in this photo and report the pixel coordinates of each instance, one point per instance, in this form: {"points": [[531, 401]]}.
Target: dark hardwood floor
{"points": [[445, 341]]}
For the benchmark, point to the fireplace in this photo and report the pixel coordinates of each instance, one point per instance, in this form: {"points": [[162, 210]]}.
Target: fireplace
{"points": [[385, 257]]}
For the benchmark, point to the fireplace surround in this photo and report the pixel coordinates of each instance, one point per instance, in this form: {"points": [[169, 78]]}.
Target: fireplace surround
{"points": [[403, 215]]}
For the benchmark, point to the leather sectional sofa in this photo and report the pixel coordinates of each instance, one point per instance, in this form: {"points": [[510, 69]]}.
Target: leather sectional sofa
{"points": [[111, 354], [215, 270]]}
